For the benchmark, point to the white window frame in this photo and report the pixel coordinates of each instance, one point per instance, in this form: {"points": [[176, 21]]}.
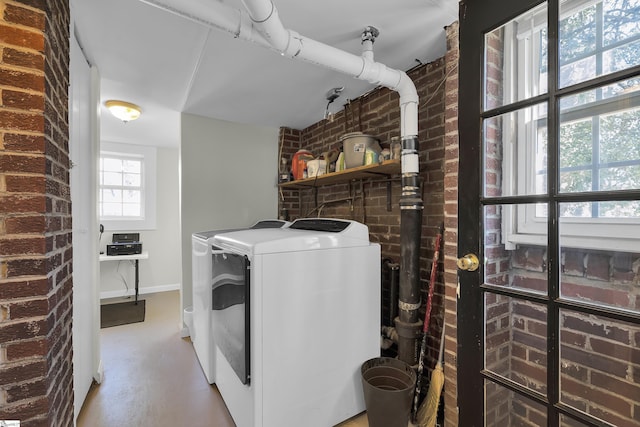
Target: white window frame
{"points": [[520, 223], [147, 219]]}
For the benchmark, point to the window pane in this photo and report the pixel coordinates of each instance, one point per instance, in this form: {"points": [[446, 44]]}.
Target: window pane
{"points": [[620, 137], [621, 58], [620, 209], [577, 33], [132, 196], [605, 277], [112, 178], [598, 39], [515, 62], [111, 209], [516, 339], [599, 134], [132, 166], [575, 181], [121, 182], [131, 209], [515, 248], [504, 408], [621, 178], [578, 71], [131, 180], [621, 20], [578, 152], [515, 148], [599, 362], [112, 165], [111, 196]]}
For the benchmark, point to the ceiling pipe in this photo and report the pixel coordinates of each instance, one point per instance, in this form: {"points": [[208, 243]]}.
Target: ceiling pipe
{"points": [[261, 24]]}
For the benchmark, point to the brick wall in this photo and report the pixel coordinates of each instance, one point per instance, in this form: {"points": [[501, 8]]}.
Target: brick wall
{"points": [[600, 359], [450, 248], [377, 113], [36, 382]]}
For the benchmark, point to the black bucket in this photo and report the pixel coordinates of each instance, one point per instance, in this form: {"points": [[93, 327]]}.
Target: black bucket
{"points": [[388, 386]]}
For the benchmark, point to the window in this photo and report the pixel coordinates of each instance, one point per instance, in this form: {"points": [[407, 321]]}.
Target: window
{"points": [[126, 199], [599, 128], [121, 189]]}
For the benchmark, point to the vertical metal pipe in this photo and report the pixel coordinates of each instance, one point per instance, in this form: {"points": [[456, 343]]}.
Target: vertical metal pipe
{"points": [[408, 325]]}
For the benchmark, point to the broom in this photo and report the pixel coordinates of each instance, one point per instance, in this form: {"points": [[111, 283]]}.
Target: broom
{"points": [[428, 412], [425, 325]]}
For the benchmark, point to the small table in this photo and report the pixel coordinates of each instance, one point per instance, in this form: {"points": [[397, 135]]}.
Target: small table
{"points": [[135, 257]]}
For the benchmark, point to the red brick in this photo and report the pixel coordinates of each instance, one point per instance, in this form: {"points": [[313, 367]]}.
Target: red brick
{"points": [[22, 246], [25, 184], [21, 58], [588, 360], [621, 387], [21, 79], [26, 349], [614, 297], [19, 37], [24, 17], [606, 398], [24, 288], [22, 100], [25, 410], [23, 371], [21, 163], [598, 266], [26, 267], [573, 263], [591, 327], [22, 204], [25, 224], [24, 143], [26, 390], [22, 121], [608, 348], [28, 309]]}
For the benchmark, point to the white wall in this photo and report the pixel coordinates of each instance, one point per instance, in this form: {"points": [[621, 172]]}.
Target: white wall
{"points": [[162, 271], [229, 179]]}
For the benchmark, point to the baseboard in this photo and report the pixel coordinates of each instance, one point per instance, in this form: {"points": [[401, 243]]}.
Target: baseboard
{"points": [[141, 291]]}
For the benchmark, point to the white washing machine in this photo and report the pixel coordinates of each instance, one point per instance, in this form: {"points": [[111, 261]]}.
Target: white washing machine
{"points": [[296, 311], [200, 333]]}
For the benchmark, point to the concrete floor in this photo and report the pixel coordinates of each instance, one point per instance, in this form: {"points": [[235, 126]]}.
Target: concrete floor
{"points": [[152, 376]]}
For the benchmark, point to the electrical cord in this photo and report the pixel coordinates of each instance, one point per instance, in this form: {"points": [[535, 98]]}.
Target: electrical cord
{"points": [[124, 280]]}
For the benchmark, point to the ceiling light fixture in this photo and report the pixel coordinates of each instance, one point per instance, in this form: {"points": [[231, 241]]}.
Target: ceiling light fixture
{"points": [[125, 111]]}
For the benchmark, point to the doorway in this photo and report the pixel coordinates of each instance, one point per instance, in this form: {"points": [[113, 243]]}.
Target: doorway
{"points": [[549, 232]]}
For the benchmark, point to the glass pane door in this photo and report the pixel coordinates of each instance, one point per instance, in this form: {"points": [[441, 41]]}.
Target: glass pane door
{"points": [[550, 322]]}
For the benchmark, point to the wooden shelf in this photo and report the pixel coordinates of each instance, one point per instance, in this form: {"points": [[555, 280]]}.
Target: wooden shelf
{"points": [[389, 167]]}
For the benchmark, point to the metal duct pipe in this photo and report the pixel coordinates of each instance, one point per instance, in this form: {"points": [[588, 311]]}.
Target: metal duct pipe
{"points": [[262, 25], [408, 324]]}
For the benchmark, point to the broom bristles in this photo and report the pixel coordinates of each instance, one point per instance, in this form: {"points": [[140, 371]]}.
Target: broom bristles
{"points": [[428, 412]]}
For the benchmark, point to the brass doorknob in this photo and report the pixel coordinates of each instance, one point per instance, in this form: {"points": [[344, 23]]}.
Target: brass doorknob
{"points": [[469, 262]]}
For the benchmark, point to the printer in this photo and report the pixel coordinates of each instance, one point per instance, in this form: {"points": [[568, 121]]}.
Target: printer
{"points": [[125, 244]]}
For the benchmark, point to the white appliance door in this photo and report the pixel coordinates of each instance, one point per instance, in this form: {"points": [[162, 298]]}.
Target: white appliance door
{"points": [[230, 309]]}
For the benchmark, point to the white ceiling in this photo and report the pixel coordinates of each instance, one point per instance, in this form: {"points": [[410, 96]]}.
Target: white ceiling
{"points": [[168, 64]]}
